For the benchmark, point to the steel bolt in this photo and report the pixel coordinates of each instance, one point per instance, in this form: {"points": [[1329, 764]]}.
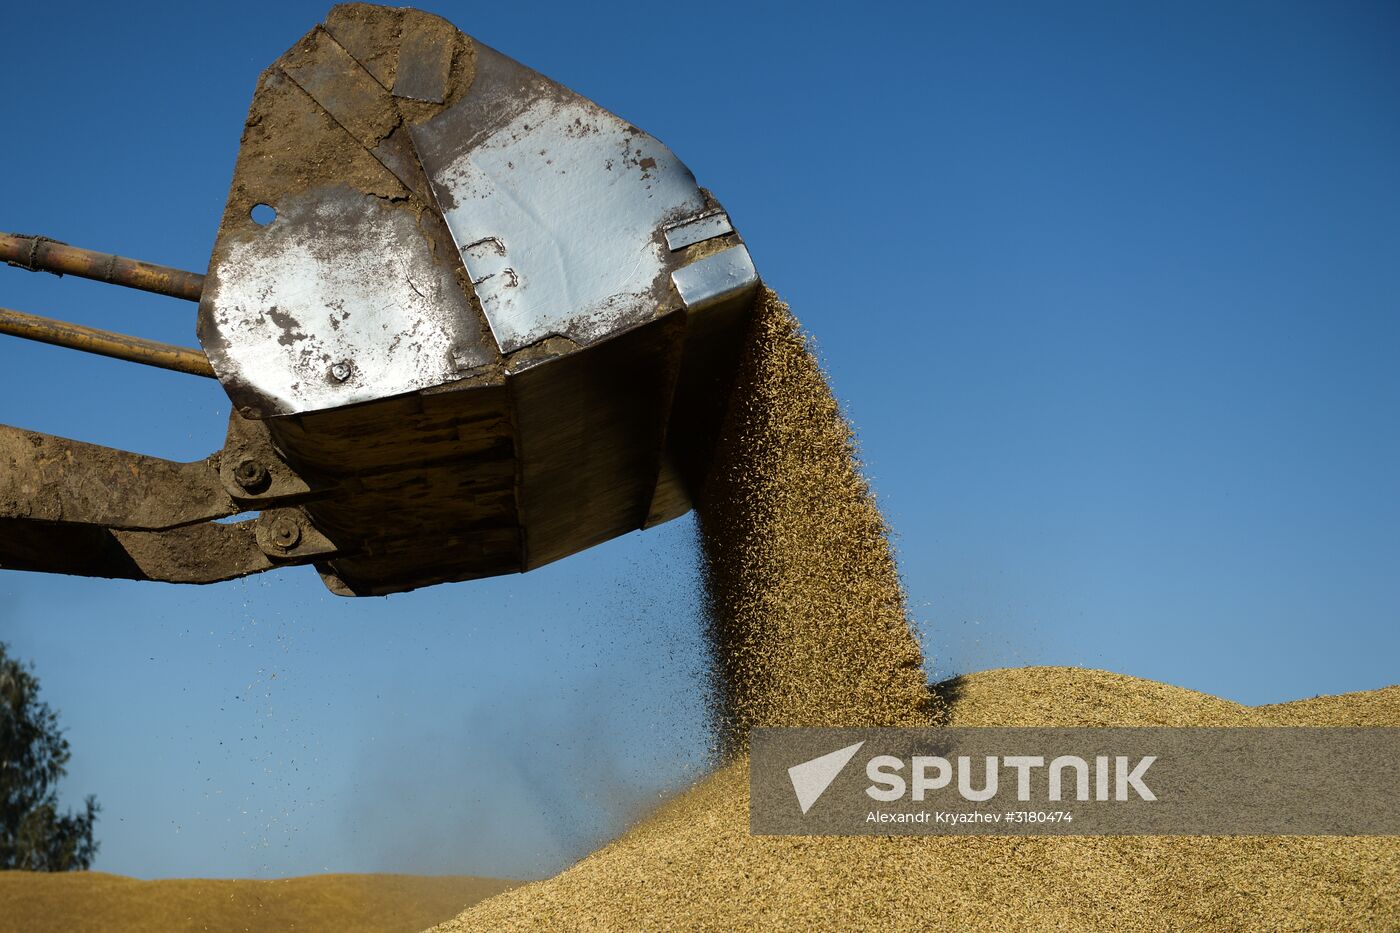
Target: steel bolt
{"points": [[251, 475], [285, 532], [340, 371]]}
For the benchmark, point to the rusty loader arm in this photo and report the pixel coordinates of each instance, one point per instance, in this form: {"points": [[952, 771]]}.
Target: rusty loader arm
{"points": [[76, 508]]}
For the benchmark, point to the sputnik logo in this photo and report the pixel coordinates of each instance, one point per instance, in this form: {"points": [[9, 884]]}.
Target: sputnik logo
{"points": [[811, 778]]}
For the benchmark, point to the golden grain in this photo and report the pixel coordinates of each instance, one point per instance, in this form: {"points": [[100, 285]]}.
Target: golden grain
{"points": [[808, 627]]}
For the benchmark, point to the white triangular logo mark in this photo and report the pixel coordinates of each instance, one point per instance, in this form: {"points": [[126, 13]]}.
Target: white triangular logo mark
{"points": [[811, 778]]}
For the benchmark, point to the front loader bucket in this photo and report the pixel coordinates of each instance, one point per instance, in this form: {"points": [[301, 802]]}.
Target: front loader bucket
{"points": [[500, 318], [470, 323]]}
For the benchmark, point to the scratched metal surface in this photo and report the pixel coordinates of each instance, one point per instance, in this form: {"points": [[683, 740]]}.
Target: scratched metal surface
{"points": [[566, 220], [339, 300], [556, 205]]}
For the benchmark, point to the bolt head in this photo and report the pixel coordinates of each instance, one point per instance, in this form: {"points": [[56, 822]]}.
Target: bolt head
{"points": [[285, 533], [340, 371], [251, 475]]}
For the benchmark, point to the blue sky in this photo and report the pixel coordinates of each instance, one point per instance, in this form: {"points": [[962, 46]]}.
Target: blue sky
{"points": [[1109, 290]]}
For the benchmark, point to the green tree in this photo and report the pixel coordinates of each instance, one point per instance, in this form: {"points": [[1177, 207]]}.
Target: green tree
{"points": [[33, 757]]}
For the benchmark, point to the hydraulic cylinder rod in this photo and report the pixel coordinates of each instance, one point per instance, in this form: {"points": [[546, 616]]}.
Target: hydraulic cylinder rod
{"points": [[105, 343], [40, 254]]}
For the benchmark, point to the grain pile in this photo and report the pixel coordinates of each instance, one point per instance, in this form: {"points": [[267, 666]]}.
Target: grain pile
{"points": [[76, 902], [808, 628], [693, 865]]}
